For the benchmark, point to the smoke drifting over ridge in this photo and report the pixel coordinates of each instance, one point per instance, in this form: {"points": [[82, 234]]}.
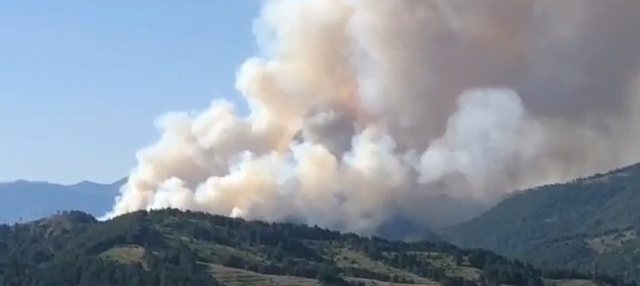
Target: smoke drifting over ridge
{"points": [[364, 112]]}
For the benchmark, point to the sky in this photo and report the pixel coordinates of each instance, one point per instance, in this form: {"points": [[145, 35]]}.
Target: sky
{"points": [[81, 82]]}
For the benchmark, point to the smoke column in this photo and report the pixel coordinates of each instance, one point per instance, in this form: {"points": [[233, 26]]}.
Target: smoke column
{"points": [[364, 113]]}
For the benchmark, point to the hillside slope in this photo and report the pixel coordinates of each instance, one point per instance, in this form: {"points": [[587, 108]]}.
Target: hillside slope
{"points": [[585, 224], [174, 248], [25, 201]]}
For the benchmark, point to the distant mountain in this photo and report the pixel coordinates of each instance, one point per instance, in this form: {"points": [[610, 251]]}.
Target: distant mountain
{"points": [[590, 224], [25, 201], [171, 247]]}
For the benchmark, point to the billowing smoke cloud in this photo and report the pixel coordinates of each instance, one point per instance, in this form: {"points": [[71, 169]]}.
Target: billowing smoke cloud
{"points": [[364, 113]]}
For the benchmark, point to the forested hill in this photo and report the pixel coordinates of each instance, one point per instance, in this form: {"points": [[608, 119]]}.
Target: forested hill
{"points": [[170, 247], [586, 224]]}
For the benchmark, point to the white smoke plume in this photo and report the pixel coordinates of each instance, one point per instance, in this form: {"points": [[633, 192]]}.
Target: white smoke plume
{"points": [[366, 112]]}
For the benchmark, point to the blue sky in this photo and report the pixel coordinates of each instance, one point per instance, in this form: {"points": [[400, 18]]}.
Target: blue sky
{"points": [[81, 82]]}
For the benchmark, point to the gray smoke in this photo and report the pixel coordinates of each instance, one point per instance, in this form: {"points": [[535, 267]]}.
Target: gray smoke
{"points": [[368, 112]]}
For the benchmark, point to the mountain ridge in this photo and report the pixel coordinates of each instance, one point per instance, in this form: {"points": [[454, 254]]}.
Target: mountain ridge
{"points": [[19, 182], [27, 200], [592, 222]]}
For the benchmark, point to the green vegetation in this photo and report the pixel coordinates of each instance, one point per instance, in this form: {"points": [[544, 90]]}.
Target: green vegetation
{"points": [[171, 247], [589, 225], [75, 249]]}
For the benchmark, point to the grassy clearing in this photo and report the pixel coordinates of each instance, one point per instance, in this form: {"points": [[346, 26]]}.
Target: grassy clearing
{"points": [[213, 252], [610, 242], [369, 282], [570, 282], [238, 277], [128, 254], [448, 262], [347, 258]]}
